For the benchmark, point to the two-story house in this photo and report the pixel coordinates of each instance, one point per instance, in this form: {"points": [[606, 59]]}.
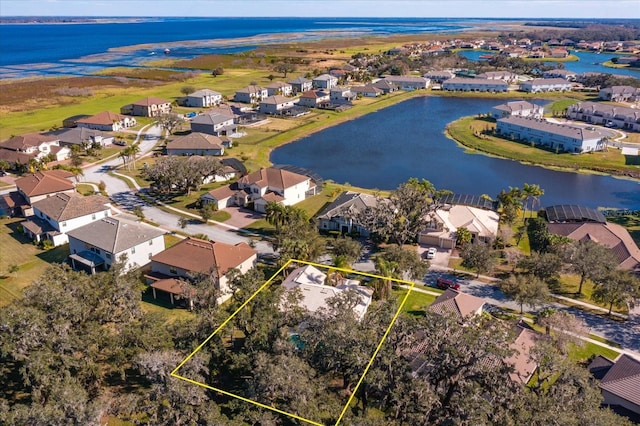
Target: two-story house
{"points": [[196, 143], [173, 269], [215, 124], [300, 84], [278, 185], [517, 108], [325, 81], [36, 187], [107, 121], [546, 85], [251, 94], [314, 99], [148, 107], [279, 88], [32, 145], [276, 104], [81, 136], [101, 243], [58, 214], [203, 98], [340, 214]]}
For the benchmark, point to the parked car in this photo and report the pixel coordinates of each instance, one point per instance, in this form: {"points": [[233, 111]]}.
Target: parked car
{"points": [[120, 143], [431, 253], [443, 283]]}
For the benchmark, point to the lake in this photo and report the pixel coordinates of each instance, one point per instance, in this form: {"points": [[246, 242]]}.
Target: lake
{"points": [[589, 62], [387, 147]]}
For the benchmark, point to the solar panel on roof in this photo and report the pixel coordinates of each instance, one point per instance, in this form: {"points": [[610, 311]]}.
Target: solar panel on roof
{"points": [[469, 200], [573, 213]]}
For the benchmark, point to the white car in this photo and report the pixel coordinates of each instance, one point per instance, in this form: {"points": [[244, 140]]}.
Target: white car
{"points": [[431, 253]]}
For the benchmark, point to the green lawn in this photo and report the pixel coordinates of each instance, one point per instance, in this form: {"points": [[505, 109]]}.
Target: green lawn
{"points": [[568, 287], [17, 249], [581, 354], [416, 303]]}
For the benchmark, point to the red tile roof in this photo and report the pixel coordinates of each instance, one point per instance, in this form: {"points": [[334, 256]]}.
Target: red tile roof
{"points": [[151, 101], [273, 178], [104, 118], [29, 140], [45, 182]]}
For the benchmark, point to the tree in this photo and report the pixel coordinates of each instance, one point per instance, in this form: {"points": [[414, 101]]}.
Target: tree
{"points": [[186, 90], [181, 173], [526, 290], [397, 262], [538, 234], [531, 194], [616, 288], [297, 237], [510, 202], [346, 248], [463, 236], [206, 212], [183, 222], [4, 165], [477, 256], [169, 122], [285, 68], [217, 71], [13, 269], [568, 329], [591, 260], [546, 266]]}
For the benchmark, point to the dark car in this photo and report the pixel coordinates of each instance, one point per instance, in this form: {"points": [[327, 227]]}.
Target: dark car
{"points": [[444, 284]]}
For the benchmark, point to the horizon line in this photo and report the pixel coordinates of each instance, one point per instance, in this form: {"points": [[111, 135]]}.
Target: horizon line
{"points": [[324, 17]]}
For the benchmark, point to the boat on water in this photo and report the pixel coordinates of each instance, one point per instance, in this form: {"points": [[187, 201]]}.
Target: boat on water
{"points": [[167, 51], [486, 56], [152, 53]]}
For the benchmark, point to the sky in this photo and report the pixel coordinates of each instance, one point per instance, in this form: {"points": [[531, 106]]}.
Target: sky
{"points": [[328, 8]]}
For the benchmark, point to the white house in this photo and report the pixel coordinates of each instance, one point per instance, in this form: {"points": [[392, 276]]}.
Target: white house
{"points": [[517, 108], [620, 93], [148, 107], [36, 145], [223, 197], [277, 185], [251, 94], [107, 121], [316, 293], [196, 144], [408, 82], [58, 214], [444, 224], [338, 216], [80, 136], [301, 84], [561, 137], [203, 98], [560, 73], [37, 186], [339, 94], [276, 104], [439, 75], [507, 76], [546, 85], [314, 98], [193, 256], [279, 88], [474, 85], [598, 113], [325, 81], [368, 90], [101, 243], [215, 124]]}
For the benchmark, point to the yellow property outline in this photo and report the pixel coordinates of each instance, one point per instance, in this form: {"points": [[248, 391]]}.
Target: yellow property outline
{"points": [[175, 374]]}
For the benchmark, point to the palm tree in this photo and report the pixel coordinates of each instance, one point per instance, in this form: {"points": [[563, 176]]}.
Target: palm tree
{"points": [[531, 194], [276, 214], [124, 155], [388, 269]]}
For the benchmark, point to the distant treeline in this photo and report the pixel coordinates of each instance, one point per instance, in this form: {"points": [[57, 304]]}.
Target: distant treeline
{"points": [[623, 30]]}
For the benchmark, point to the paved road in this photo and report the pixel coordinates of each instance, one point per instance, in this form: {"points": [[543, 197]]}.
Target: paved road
{"points": [[626, 333]]}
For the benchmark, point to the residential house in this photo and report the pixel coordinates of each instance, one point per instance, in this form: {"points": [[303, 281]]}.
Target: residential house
{"points": [[251, 94], [279, 185], [340, 74], [558, 53], [517, 108], [301, 84], [279, 88], [316, 293], [191, 257], [598, 113], [314, 99], [215, 124], [339, 215], [36, 187], [408, 82], [101, 243], [474, 85], [276, 104], [615, 237], [546, 85], [507, 76], [445, 222], [32, 145], [521, 358], [560, 73], [81, 136], [460, 305], [107, 121], [225, 196], [325, 81], [196, 143], [204, 98], [620, 94], [72, 121], [619, 382], [341, 94], [386, 86], [561, 137], [60, 213], [368, 90], [148, 107]]}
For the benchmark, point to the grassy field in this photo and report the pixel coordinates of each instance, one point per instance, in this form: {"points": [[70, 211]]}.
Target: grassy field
{"points": [[18, 250], [465, 131]]}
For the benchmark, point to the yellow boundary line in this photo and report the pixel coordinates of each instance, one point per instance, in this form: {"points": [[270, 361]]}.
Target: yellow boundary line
{"points": [[175, 374]]}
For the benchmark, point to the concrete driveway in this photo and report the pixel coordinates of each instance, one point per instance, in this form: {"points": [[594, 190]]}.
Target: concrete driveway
{"points": [[241, 217], [442, 256]]}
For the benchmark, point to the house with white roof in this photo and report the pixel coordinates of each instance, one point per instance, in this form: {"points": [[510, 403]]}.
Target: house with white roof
{"points": [[60, 213], [517, 108], [445, 222], [474, 85], [312, 285], [101, 243], [203, 98], [546, 85], [408, 82]]}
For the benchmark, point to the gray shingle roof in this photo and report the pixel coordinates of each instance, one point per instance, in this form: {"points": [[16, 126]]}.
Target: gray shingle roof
{"points": [[348, 201], [115, 234], [623, 379], [578, 133]]}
